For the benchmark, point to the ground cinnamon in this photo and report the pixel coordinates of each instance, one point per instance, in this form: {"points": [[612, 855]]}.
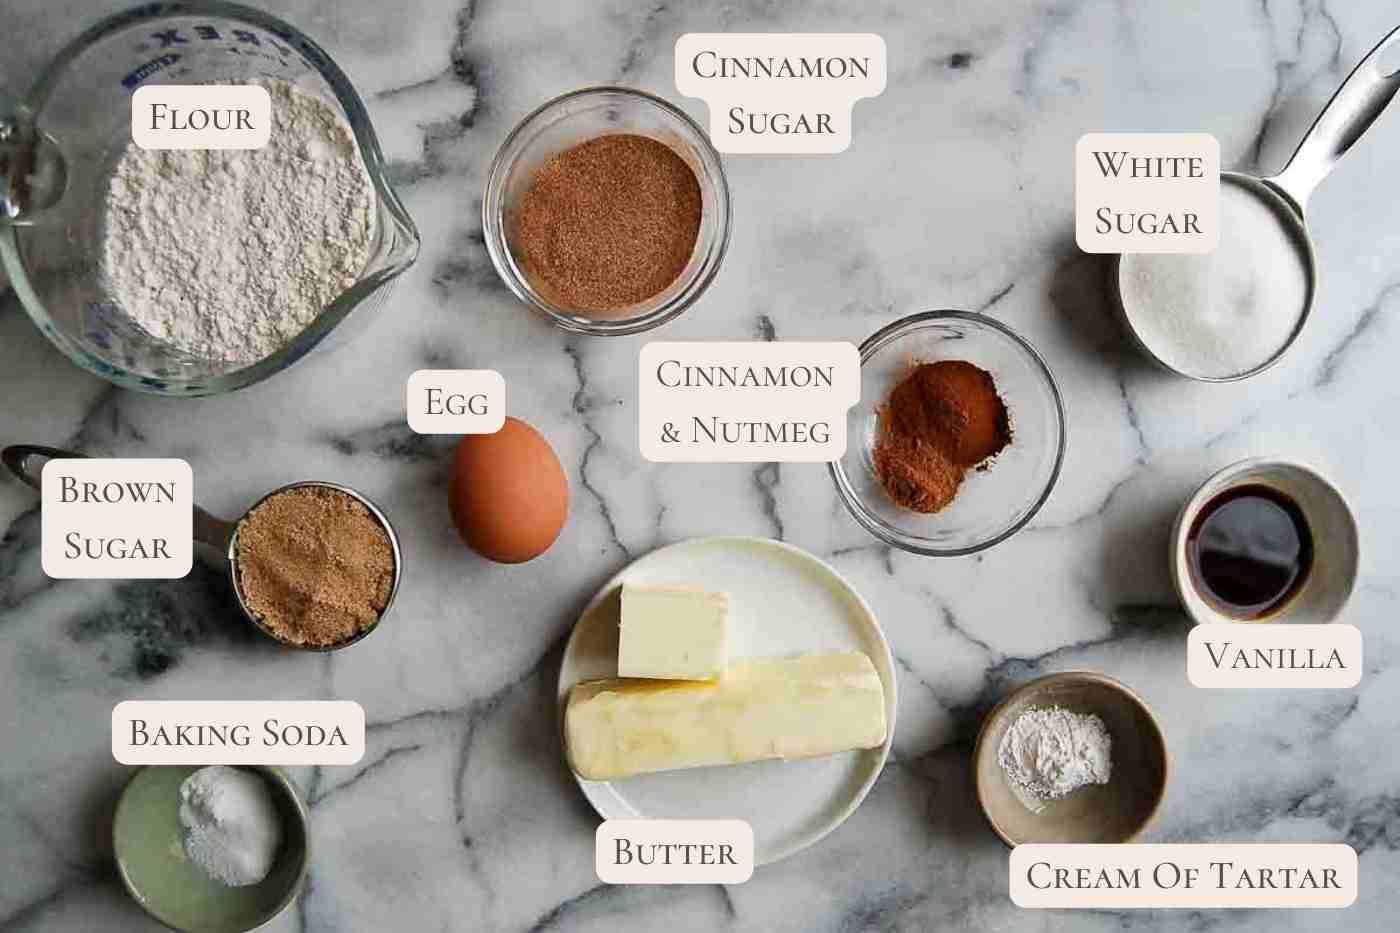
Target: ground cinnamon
{"points": [[940, 420], [314, 565], [608, 223]]}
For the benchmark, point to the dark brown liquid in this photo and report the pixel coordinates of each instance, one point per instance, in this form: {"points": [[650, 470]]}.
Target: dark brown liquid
{"points": [[1250, 551]]}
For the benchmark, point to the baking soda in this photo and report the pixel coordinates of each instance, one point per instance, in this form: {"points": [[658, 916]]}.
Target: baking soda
{"points": [[232, 828], [1223, 313]]}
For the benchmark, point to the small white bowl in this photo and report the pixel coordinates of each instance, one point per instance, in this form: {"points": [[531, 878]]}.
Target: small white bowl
{"points": [[1336, 546]]}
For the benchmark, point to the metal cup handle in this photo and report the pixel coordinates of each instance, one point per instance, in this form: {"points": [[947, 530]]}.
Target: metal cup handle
{"points": [[21, 459], [1351, 111]]}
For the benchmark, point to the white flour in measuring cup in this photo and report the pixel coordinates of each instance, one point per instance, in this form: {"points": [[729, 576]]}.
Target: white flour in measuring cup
{"points": [[1224, 313], [229, 254]]}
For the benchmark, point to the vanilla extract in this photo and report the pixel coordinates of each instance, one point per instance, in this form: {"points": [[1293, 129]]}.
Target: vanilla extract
{"points": [[1250, 551]]}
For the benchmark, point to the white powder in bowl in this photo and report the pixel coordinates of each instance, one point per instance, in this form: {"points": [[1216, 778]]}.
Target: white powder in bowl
{"points": [[1049, 752], [229, 254], [231, 825], [1223, 313]]}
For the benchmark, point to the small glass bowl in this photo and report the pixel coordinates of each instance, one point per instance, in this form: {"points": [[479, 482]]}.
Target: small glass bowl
{"points": [[568, 120], [993, 503]]}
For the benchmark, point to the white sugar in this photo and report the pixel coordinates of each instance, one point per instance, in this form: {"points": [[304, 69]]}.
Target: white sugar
{"points": [[1222, 313]]}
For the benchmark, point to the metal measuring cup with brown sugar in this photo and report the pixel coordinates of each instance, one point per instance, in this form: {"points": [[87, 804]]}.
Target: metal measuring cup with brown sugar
{"points": [[25, 461]]}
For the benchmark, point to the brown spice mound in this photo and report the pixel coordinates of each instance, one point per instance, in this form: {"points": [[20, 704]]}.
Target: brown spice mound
{"points": [[314, 565], [941, 419], [916, 474], [608, 223]]}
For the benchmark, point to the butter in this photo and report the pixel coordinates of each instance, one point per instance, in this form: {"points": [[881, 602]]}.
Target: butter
{"points": [[798, 707], [672, 633]]}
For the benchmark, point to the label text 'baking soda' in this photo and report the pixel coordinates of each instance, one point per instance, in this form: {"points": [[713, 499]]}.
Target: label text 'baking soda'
{"points": [[200, 732]]}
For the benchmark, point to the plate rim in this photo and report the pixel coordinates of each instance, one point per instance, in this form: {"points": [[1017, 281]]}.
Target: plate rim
{"points": [[590, 789]]}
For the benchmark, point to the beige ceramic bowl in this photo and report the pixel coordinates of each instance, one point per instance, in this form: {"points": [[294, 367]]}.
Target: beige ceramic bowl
{"points": [[1114, 812]]}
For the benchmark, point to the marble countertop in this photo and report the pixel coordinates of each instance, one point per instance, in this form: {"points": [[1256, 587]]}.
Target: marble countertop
{"points": [[957, 192]]}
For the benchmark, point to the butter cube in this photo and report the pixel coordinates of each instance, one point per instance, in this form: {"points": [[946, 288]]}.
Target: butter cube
{"points": [[798, 707], [672, 633]]}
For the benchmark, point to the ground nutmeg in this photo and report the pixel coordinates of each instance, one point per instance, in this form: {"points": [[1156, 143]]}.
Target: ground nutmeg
{"points": [[608, 223], [940, 420]]}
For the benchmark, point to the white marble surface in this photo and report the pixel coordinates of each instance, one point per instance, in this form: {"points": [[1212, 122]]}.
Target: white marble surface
{"points": [[956, 193]]}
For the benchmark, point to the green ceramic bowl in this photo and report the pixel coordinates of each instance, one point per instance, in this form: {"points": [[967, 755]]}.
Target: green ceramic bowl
{"points": [[152, 863]]}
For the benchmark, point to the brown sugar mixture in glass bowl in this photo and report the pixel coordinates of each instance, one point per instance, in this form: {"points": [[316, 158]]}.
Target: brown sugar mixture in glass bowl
{"points": [[608, 223]]}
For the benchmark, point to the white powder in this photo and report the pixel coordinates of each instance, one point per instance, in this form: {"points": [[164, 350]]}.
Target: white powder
{"points": [[1050, 752], [232, 828], [229, 254], [1226, 312]]}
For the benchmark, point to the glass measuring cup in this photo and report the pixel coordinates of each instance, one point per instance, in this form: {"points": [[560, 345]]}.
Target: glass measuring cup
{"points": [[25, 461], [57, 146], [1351, 111]]}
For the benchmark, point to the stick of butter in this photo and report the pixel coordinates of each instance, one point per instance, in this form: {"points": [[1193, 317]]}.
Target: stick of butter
{"points": [[801, 707], [672, 633]]}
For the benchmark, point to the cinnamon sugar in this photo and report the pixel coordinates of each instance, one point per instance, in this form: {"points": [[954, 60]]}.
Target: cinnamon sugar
{"points": [[608, 223], [314, 565]]}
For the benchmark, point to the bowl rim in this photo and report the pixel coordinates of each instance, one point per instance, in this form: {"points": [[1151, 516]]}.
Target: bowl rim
{"points": [[274, 776], [895, 538], [1115, 685], [1224, 478], [493, 227]]}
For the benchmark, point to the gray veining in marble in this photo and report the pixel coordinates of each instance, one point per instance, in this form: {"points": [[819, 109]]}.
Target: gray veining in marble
{"points": [[957, 192]]}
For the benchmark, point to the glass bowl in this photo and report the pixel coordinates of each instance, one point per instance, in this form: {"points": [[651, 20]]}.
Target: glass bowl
{"points": [[568, 120], [78, 117], [994, 502]]}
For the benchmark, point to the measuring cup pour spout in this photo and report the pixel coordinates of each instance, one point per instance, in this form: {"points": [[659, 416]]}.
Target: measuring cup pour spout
{"points": [[1348, 115]]}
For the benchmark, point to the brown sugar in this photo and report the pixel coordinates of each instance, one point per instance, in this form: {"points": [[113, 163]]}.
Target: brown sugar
{"points": [[314, 565], [940, 420], [608, 223]]}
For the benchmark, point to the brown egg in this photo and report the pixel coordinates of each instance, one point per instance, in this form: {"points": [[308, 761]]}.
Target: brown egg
{"points": [[508, 493]]}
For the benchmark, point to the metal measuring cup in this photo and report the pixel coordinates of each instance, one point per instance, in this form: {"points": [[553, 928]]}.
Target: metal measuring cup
{"points": [[1350, 112], [222, 535]]}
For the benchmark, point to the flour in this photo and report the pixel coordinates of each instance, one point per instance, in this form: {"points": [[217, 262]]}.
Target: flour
{"points": [[1050, 752], [232, 828], [229, 254]]}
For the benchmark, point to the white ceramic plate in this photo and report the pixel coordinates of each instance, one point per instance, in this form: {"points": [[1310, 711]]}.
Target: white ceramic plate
{"points": [[782, 601]]}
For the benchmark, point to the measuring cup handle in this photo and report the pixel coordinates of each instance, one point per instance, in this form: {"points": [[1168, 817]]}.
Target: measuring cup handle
{"points": [[213, 531], [1350, 112], [20, 460]]}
